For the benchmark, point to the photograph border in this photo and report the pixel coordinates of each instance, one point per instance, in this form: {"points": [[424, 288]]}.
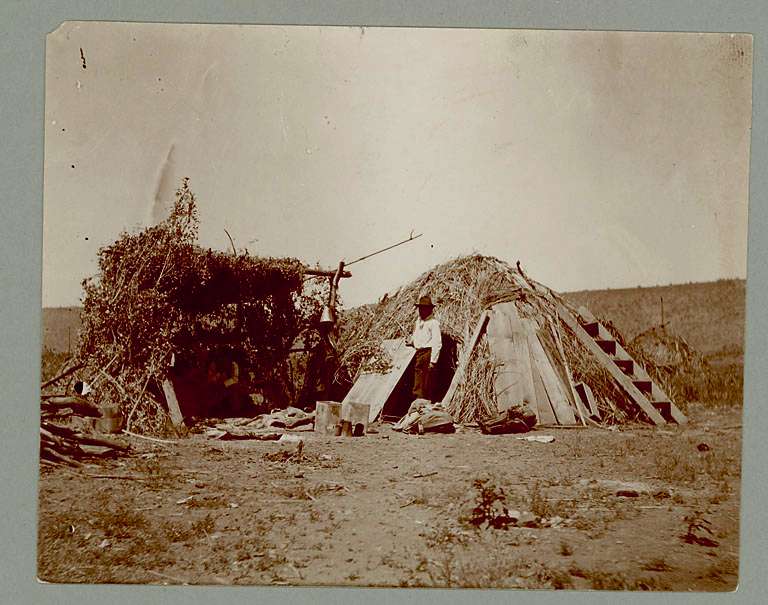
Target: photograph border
{"points": [[21, 106]]}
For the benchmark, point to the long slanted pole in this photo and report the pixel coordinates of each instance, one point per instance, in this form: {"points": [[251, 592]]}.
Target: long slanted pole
{"points": [[405, 241], [326, 273]]}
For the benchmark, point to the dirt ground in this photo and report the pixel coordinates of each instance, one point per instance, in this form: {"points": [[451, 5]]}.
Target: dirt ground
{"points": [[609, 510]]}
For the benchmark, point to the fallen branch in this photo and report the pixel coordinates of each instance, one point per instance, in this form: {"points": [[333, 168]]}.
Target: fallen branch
{"points": [[57, 457], [87, 440], [49, 436], [153, 439], [78, 405], [64, 374]]}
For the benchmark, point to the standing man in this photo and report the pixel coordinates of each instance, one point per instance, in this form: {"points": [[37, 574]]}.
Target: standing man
{"points": [[321, 380], [427, 341]]}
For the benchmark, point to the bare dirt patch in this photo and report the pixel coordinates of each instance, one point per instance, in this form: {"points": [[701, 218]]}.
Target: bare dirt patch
{"points": [[595, 509]]}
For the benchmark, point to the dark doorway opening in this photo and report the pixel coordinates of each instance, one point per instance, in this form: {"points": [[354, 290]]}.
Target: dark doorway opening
{"points": [[402, 396]]}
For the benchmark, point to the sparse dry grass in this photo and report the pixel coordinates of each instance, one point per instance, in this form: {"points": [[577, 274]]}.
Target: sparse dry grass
{"points": [[679, 461], [657, 564], [301, 522], [601, 580], [460, 559]]}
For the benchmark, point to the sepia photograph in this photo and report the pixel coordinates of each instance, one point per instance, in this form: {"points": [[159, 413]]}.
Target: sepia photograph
{"points": [[393, 307]]}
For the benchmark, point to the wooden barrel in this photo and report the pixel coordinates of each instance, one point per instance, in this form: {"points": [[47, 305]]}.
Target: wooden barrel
{"points": [[327, 417]]}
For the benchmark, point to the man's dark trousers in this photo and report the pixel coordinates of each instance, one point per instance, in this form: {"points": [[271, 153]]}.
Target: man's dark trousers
{"points": [[422, 379]]}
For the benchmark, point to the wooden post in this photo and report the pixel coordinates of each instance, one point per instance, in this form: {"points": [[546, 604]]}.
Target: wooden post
{"points": [[334, 288], [173, 404]]}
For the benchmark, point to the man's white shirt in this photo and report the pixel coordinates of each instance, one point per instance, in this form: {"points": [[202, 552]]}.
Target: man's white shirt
{"points": [[427, 334]]}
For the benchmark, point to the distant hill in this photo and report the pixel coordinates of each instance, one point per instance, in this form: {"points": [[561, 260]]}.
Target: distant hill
{"points": [[61, 327], [710, 316]]}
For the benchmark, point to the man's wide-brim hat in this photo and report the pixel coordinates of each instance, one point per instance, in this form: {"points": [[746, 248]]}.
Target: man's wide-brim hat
{"points": [[424, 301]]}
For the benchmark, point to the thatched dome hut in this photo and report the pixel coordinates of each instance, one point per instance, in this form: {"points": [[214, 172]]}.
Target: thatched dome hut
{"points": [[463, 289]]}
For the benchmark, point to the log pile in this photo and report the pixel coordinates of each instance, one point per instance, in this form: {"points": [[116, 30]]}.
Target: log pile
{"points": [[63, 445], [61, 406]]}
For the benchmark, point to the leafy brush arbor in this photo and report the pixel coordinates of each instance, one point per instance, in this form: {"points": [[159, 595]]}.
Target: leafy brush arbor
{"points": [[158, 294]]}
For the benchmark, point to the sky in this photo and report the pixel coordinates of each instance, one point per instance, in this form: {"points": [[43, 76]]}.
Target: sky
{"points": [[596, 159]]}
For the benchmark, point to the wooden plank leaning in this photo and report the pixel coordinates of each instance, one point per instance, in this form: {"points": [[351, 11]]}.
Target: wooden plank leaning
{"points": [[545, 415], [173, 403], [612, 368], [576, 399], [555, 390], [508, 342], [375, 389]]}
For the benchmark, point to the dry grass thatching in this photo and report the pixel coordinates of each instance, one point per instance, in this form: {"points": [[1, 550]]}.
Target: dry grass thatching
{"points": [[160, 300], [461, 290]]}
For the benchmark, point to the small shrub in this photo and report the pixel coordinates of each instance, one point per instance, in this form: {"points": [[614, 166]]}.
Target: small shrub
{"points": [[537, 503], [490, 506], [174, 533], [553, 578], [576, 571], [697, 527], [204, 526]]}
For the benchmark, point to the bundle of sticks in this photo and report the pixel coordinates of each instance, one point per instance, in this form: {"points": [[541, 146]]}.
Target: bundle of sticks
{"points": [[62, 445], [55, 406]]}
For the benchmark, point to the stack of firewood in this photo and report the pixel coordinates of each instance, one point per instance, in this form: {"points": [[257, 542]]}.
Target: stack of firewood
{"points": [[64, 445], [61, 406], [59, 444]]}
